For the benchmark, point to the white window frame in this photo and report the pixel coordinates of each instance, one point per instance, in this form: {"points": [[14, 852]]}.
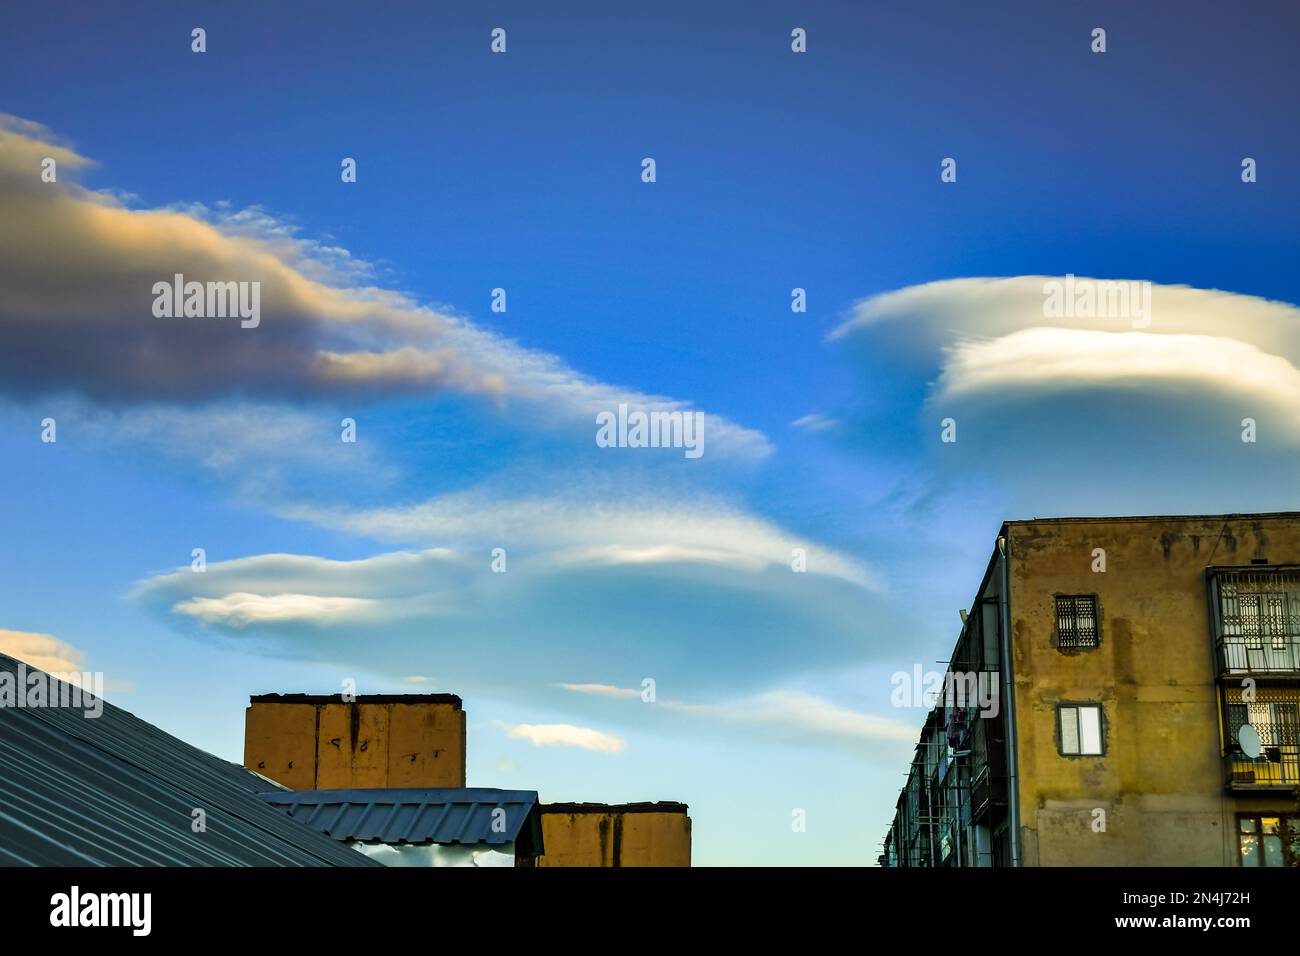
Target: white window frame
{"points": [[1081, 730]]}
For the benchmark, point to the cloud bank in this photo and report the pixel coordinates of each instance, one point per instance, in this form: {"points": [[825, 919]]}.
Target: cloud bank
{"points": [[1085, 414], [693, 621], [77, 269]]}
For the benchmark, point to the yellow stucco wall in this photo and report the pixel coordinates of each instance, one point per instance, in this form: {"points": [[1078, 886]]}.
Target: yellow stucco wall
{"points": [[610, 837], [325, 744], [1161, 780]]}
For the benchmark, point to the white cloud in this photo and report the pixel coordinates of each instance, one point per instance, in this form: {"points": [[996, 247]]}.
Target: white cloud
{"points": [[602, 690], [1042, 360], [579, 531], [48, 653], [993, 340], [287, 589], [76, 273], [808, 712], [777, 711], [241, 609], [816, 422], [257, 453], [1075, 415], [446, 610], [567, 735], [44, 651], [923, 320]]}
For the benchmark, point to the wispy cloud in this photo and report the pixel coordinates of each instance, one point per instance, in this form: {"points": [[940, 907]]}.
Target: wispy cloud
{"points": [[52, 655], [602, 690], [41, 650], [567, 735], [551, 611], [579, 531], [777, 712], [241, 609], [816, 422], [77, 265]]}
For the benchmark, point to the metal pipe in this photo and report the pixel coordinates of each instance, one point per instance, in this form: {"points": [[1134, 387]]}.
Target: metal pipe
{"points": [[1009, 704]]}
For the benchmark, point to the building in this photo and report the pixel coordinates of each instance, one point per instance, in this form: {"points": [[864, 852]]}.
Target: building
{"points": [[1144, 708], [404, 755], [87, 784]]}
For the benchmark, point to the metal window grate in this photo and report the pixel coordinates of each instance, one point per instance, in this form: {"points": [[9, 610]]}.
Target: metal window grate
{"points": [[1076, 620], [1274, 712], [1259, 618]]}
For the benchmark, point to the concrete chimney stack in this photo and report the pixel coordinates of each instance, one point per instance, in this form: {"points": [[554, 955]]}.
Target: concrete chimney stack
{"points": [[309, 742]]}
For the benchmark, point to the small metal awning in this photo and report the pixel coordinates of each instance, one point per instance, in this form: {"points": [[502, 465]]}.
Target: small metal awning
{"points": [[454, 815]]}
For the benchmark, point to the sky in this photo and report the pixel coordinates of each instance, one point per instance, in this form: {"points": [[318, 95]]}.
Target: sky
{"points": [[372, 561]]}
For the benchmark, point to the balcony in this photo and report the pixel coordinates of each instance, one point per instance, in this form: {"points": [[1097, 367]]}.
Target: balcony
{"points": [[1276, 769], [1255, 617], [1273, 714]]}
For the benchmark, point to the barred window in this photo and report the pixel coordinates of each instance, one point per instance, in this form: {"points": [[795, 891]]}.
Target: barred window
{"points": [[1238, 716], [1260, 610], [1076, 620], [1263, 614]]}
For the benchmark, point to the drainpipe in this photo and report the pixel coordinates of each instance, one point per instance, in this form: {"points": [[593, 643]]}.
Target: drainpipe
{"points": [[1009, 704]]}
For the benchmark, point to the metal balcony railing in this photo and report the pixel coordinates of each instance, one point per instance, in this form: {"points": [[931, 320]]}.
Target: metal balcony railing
{"points": [[1255, 657], [1281, 768], [1256, 619], [1278, 763]]}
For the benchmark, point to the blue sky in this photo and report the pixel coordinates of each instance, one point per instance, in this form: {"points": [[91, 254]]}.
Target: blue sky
{"points": [[476, 429]]}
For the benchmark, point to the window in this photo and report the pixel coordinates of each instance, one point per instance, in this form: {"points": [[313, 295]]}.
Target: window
{"points": [[1248, 609], [1284, 718], [1274, 714], [1264, 614], [1080, 730], [1076, 620], [1259, 611], [1278, 625], [1238, 717], [1268, 841]]}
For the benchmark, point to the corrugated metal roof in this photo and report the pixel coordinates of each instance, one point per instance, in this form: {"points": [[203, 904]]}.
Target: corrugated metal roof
{"points": [[113, 790], [396, 815]]}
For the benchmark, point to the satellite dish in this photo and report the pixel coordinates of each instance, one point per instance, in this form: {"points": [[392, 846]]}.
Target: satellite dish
{"points": [[1248, 738]]}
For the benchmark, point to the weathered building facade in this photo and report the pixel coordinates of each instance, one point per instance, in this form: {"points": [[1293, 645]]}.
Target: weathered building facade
{"points": [[1150, 705]]}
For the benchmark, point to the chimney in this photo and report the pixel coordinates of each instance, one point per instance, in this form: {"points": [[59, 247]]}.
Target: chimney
{"points": [[614, 834], [311, 742]]}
